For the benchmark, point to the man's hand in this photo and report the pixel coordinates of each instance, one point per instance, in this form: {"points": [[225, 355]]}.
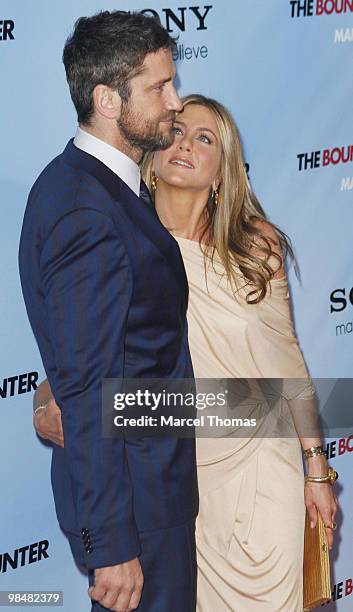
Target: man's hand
{"points": [[47, 422], [118, 587]]}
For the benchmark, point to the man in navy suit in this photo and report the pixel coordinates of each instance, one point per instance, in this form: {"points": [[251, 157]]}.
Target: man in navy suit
{"points": [[106, 295]]}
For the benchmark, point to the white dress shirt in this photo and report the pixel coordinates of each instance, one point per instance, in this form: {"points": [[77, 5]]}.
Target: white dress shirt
{"points": [[124, 167]]}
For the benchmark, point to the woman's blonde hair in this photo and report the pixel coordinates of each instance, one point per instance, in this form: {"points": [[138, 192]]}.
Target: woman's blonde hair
{"points": [[232, 223]]}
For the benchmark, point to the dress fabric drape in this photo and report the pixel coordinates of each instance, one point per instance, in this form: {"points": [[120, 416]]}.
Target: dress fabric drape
{"points": [[251, 521]]}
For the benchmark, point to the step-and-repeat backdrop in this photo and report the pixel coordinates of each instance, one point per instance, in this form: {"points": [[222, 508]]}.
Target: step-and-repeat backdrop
{"points": [[284, 68]]}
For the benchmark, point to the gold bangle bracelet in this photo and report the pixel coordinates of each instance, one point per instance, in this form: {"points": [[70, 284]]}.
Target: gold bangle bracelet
{"points": [[331, 477], [314, 451]]}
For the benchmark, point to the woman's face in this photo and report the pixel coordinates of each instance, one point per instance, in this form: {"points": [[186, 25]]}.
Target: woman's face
{"points": [[193, 160]]}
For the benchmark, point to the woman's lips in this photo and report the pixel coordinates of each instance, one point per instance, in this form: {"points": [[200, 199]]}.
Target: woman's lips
{"points": [[182, 163]]}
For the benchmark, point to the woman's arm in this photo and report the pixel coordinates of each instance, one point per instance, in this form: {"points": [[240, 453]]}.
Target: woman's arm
{"points": [[303, 407], [47, 420], [319, 497]]}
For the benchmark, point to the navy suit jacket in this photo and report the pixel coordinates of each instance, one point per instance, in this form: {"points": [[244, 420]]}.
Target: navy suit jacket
{"points": [[106, 295]]}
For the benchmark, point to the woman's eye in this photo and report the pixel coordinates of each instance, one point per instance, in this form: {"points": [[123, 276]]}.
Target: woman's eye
{"points": [[176, 130], [205, 138]]}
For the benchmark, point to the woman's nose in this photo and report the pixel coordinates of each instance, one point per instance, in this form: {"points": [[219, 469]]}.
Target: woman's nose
{"points": [[185, 145]]}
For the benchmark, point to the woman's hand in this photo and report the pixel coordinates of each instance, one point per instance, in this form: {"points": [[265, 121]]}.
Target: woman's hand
{"points": [[319, 497], [47, 423]]}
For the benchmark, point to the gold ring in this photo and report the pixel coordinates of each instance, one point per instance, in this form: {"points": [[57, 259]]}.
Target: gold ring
{"points": [[331, 526]]}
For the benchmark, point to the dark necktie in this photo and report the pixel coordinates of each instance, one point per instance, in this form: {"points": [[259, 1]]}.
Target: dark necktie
{"points": [[145, 195]]}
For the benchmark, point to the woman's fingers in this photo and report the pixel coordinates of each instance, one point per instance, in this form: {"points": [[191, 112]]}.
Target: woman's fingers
{"points": [[332, 523], [310, 505], [326, 516], [312, 511], [320, 498]]}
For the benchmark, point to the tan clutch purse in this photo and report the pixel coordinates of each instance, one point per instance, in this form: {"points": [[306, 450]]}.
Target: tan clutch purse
{"points": [[316, 570]]}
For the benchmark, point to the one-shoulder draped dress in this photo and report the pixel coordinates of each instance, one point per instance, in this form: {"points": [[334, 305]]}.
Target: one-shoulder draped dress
{"points": [[250, 526]]}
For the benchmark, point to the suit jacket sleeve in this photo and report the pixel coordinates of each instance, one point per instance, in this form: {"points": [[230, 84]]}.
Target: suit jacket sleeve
{"points": [[87, 288]]}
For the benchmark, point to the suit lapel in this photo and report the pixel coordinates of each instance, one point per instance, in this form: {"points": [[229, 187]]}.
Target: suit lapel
{"points": [[142, 214]]}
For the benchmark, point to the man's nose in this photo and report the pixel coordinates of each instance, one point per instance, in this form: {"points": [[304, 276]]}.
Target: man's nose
{"points": [[174, 102]]}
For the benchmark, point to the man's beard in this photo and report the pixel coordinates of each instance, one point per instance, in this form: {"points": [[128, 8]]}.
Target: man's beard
{"points": [[142, 134]]}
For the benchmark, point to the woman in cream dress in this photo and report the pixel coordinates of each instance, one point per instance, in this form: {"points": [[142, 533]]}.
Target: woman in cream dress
{"points": [[251, 521], [250, 526]]}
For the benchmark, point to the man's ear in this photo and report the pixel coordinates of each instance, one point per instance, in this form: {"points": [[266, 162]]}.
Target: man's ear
{"points": [[107, 102]]}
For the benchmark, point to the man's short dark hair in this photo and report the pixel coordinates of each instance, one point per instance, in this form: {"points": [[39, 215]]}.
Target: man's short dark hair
{"points": [[109, 48]]}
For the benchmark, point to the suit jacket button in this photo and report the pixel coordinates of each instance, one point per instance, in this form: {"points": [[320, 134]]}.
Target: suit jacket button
{"points": [[89, 549]]}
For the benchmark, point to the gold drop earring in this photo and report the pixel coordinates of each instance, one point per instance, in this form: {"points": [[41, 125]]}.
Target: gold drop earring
{"points": [[215, 196], [154, 181]]}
